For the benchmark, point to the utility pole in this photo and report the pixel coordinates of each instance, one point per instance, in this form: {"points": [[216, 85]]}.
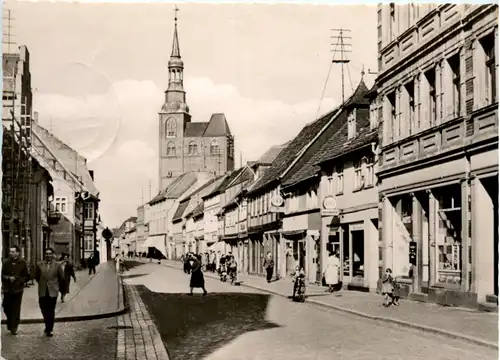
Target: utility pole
{"points": [[241, 158], [343, 42]]}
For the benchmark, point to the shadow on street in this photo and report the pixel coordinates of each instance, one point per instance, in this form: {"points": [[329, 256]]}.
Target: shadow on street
{"points": [[193, 327]]}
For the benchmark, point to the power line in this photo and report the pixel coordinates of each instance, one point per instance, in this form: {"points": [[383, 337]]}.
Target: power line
{"points": [[326, 81], [349, 74]]}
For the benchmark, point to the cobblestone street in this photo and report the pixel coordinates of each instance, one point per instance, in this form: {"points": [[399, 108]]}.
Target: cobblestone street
{"points": [[230, 320], [82, 340]]}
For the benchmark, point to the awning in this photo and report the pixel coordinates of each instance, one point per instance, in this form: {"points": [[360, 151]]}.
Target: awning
{"points": [[158, 242], [294, 233], [218, 246], [230, 237]]}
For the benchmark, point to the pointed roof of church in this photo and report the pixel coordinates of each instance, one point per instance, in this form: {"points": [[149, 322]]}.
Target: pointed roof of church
{"points": [[217, 126], [176, 53]]}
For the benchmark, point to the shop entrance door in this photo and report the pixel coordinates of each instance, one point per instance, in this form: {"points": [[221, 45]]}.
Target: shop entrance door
{"points": [[317, 260], [301, 252]]}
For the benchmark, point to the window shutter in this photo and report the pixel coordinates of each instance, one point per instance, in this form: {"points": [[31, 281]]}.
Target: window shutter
{"points": [[469, 76]]}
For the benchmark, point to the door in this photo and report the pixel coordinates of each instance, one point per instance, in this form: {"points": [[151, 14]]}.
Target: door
{"points": [[317, 258], [302, 254]]}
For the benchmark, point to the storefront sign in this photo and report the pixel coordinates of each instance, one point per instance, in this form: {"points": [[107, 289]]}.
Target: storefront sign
{"points": [[329, 207], [413, 253], [356, 227], [277, 204]]}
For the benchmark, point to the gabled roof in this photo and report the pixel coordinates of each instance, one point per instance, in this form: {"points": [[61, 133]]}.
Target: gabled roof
{"points": [[177, 188], [339, 145], [201, 188], [293, 151], [217, 126], [190, 200], [308, 168], [195, 129], [229, 180], [271, 154], [73, 161], [288, 155], [180, 210]]}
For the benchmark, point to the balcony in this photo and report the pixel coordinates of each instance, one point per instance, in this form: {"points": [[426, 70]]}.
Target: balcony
{"points": [[445, 138]]}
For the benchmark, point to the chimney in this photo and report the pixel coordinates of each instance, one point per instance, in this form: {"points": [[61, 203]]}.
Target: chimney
{"points": [[91, 172]]}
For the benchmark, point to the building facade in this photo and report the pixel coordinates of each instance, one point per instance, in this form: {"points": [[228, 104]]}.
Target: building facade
{"points": [[184, 145], [438, 171]]}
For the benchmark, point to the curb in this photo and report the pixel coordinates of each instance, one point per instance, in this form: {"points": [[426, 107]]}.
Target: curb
{"points": [[122, 309], [424, 328]]}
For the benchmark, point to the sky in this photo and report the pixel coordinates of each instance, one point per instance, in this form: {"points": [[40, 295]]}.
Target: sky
{"points": [[99, 72]]}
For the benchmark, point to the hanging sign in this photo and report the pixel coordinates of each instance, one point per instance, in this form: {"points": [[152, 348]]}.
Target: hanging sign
{"points": [[277, 204], [329, 207]]}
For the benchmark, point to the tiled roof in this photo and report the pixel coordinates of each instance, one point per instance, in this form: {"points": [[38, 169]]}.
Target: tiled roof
{"points": [[195, 129], [178, 187], [180, 210], [307, 168], [339, 145], [73, 161], [288, 155], [217, 126], [195, 197], [200, 189], [225, 182], [198, 210], [271, 154]]}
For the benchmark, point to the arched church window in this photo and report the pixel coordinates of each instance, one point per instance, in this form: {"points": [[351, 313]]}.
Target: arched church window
{"points": [[170, 149], [192, 148], [171, 128], [214, 148]]}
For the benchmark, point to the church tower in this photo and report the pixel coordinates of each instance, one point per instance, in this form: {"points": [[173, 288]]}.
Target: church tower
{"points": [[173, 117]]}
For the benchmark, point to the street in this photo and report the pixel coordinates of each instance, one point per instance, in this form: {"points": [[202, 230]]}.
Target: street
{"points": [[230, 321], [81, 340]]}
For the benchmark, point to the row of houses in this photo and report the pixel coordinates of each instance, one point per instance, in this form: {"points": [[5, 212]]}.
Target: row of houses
{"points": [[49, 196], [401, 176]]}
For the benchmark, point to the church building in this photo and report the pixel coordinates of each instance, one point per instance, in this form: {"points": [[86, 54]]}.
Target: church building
{"points": [[185, 145]]}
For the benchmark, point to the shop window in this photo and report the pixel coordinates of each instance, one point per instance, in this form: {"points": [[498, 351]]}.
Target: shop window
{"points": [[448, 239]]}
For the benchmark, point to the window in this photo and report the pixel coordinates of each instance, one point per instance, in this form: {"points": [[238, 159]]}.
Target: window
{"points": [[88, 211], [170, 128], [410, 91], [392, 116], [392, 22], [369, 179], [61, 204], [358, 175], [351, 125], [373, 115], [312, 199], [192, 148], [170, 149], [88, 242], [431, 79], [214, 148], [340, 178], [454, 63], [488, 44], [330, 185]]}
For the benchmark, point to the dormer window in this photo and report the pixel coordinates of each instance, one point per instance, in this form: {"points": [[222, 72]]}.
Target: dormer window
{"points": [[351, 125], [373, 115]]}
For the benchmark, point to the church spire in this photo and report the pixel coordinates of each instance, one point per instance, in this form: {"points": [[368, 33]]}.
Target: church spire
{"points": [[175, 43], [175, 97]]}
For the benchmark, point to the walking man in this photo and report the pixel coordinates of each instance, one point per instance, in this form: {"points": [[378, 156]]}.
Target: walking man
{"points": [[48, 274], [91, 263], [14, 275]]}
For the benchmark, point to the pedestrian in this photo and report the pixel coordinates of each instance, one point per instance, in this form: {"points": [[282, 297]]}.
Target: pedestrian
{"points": [[390, 298], [91, 264], [269, 266], [197, 279], [48, 275], [332, 269], [69, 272], [14, 275]]}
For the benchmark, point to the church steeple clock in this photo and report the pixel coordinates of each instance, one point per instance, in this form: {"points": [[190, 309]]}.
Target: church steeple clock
{"points": [[173, 117]]}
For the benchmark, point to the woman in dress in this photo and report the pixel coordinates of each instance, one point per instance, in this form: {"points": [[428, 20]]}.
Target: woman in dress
{"points": [[197, 279], [332, 271], [69, 272]]}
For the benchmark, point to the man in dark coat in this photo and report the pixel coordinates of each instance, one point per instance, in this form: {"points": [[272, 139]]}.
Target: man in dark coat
{"points": [[91, 263], [48, 275], [14, 275], [197, 279]]}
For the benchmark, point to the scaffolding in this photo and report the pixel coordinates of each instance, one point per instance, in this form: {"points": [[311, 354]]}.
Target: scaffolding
{"points": [[16, 158]]}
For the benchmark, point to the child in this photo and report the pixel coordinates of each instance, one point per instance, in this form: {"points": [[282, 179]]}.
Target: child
{"points": [[388, 288]]}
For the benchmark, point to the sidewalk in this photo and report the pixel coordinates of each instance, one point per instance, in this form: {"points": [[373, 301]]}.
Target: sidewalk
{"points": [[465, 324], [91, 297]]}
